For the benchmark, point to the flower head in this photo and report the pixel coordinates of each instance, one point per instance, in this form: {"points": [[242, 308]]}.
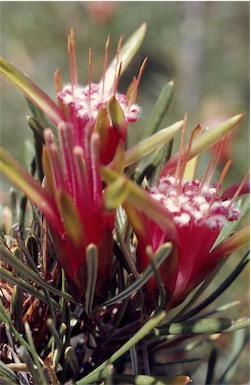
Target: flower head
{"points": [[199, 213], [92, 122], [98, 107], [86, 101]]}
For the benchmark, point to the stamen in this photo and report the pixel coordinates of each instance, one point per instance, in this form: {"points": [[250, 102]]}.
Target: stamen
{"points": [[196, 131], [239, 189], [207, 172], [117, 55], [181, 151], [116, 82], [105, 64], [222, 177], [223, 174], [58, 82], [133, 96], [216, 161], [90, 79], [73, 61]]}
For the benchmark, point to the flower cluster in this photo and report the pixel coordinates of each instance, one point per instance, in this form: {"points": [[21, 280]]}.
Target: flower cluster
{"points": [[92, 125], [86, 101], [129, 249], [85, 183], [95, 124], [199, 214]]}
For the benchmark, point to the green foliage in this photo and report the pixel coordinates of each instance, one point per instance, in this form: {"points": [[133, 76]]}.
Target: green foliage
{"points": [[49, 335]]}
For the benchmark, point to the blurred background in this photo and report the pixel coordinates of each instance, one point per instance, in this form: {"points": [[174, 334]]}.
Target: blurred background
{"points": [[203, 46]]}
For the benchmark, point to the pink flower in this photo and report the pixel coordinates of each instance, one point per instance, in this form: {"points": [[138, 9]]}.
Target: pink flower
{"points": [[98, 107], [199, 213], [90, 110], [74, 182], [92, 122]]}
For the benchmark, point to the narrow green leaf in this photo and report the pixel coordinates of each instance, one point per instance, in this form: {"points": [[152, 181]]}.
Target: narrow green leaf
{"points": [[36, 359], [211, 367], [116, 193], [25, 286], [219, 309], [5, 317], [236, 241], [96, 374], [202, 326], [159, 110], [55, 333], [159, 257], [125, 56], [16, 306], [92, 272], [20, 267], [240, 338], [25, 357], [38, 114], [204, 141], [149, 380], [230, 227], [30, 187], [148, 145], [36, 127], [31, 90], [7, 376]]}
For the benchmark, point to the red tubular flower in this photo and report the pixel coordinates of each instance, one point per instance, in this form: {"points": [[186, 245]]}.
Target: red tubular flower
{"points": [[98, 107], [91, 121], [75, 184], [96, 120], [199, 213]]}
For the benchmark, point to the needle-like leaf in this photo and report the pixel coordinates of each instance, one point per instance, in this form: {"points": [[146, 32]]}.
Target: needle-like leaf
{"points": [[30, 187], [31, 90]]}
